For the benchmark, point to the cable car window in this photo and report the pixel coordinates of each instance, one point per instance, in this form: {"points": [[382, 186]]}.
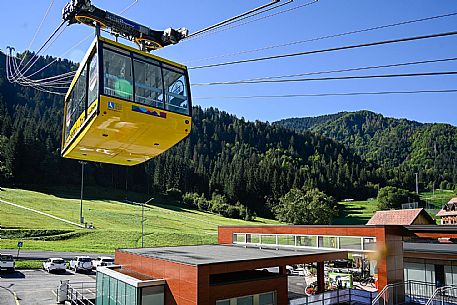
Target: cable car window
{"points": [[77, 103], [148, 84], [118, 75], [93, 80], [176, 92]]}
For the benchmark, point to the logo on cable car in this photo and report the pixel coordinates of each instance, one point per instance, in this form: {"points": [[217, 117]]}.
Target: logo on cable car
{"points": [[114, 106], [144, 110]]}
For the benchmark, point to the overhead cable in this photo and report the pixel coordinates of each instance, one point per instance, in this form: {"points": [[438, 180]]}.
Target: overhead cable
{"points": [[377, 43], [38, 29], [237, 24], [326, 94], [349, 77], [79, 43], [128, 7], [28, 66], [35, 56], [219, 24], [350, 69], [326, 37]]}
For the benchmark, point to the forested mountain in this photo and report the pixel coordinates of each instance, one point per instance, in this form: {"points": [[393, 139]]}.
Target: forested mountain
{"points": [[253, 163], [397, 145]]}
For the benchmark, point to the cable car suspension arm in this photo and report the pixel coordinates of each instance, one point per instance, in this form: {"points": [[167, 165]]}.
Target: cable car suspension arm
{"points": [[82, 11]]}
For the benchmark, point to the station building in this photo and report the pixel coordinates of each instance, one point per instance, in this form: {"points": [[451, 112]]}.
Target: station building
{"points": [[235, 272]]}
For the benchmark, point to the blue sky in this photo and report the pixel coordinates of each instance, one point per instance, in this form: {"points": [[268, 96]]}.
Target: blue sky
{"points": [[326, 17]]}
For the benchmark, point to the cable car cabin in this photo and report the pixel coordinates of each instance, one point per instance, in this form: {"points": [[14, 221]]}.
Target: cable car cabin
{"points": [[125, 106]]}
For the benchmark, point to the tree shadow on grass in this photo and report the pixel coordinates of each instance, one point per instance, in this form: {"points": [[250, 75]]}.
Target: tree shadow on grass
{"points": [[351, 215]]}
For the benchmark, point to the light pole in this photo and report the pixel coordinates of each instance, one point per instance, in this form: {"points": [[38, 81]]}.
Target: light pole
{"points": [[142, 221], [417, 183], [142, 225], [81, 218]]}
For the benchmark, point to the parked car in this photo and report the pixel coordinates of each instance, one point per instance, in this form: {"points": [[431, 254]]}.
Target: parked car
{"points": [[103, 261], [81, 263], [7, 263], [55, 264]]}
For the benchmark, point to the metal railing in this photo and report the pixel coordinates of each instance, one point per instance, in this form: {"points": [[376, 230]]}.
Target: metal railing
{"points": [[76, 293], [339, 296], [443, 296], [414, 292]]}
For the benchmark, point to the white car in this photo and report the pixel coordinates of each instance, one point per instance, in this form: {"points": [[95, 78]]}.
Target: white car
{"points": [[103, 261], [55, 264], [7, 262], [81, 263]]}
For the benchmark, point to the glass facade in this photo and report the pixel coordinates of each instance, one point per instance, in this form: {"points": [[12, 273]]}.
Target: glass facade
{"points": [[286, 240], [350, 243], [306, 241], [439, 273], [268, 239], [112, 291], [357, 244], [268, 298]]}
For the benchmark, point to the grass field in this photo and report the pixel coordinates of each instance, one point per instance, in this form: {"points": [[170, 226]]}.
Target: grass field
{"points": [[439, 198], [117, 224], [356, 212]]}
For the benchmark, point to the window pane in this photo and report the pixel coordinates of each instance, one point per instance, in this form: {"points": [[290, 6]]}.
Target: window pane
{"points": [[118, 75], [329, 242], [152, 296], [266, 299], [306, 241], [239, 238], [93, 80], [245, 300], [112, 291], [286, 240], [353, 243], [224, 302], [148, 84], [77, 103], [99, 290], [176, 92], [121, 293], [130, 295], [105, 296], [369, 244], [268, 239], [252, 238]]}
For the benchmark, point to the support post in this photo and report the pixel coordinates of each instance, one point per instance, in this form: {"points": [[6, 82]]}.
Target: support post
{"points": [[320, 277], [81, 218], [142, 225], [97, 29]]}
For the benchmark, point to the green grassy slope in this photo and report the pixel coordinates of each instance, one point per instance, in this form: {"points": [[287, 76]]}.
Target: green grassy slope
{"points": [[117, 225], [356, 212]]}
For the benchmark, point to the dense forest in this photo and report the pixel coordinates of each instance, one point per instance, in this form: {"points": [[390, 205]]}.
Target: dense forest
{"points": [[400, 146], [249, 164]]}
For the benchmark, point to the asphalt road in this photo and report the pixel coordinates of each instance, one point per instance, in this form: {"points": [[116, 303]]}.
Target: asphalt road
{"points": [[43, 255], [35, 287]]}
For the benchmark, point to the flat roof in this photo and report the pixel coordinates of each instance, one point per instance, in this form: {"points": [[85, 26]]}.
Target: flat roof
{"points": [[214, 254]]}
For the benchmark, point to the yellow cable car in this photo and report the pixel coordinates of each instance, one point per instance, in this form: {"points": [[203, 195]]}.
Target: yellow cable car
{"points": [[125, 106]]}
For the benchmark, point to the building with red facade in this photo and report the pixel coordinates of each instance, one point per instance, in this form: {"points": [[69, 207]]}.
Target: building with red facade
{"points": [[237, 271]]}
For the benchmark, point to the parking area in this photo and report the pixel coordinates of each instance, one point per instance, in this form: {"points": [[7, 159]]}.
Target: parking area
{"points": [[35, 287]]}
